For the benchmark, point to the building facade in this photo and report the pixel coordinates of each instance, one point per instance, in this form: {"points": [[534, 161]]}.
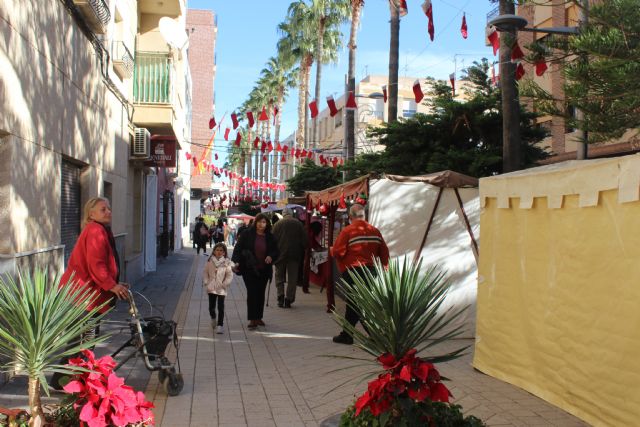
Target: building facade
{"points": [[202, 29]]}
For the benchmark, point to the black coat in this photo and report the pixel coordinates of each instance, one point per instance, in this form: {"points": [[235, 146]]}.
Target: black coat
{"points": [[244, 252]]}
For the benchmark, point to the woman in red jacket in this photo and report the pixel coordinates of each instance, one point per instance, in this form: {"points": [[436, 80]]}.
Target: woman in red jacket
{"points": [[94, 262]]}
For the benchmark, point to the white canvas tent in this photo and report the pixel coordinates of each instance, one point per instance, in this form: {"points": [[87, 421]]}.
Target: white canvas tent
{"points": [[436, 217]]}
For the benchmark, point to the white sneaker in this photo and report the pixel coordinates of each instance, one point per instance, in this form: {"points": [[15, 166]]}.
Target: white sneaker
{"points": [[220, 329]]}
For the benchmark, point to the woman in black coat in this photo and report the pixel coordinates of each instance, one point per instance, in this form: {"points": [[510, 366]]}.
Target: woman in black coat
{"points": [[253, 255]]}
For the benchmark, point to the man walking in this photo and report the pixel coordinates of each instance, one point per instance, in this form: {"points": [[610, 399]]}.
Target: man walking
{"points": [[292, 242], [355, 249]]}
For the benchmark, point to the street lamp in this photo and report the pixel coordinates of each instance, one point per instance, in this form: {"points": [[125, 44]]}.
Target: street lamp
{"points": [[512, 24], [350, 126]]}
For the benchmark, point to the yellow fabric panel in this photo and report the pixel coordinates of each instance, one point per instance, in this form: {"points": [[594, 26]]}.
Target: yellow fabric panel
{"points": [[559, 304]]}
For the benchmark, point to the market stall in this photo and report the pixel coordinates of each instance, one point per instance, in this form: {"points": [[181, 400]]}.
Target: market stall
{"points": [[434, 217], [558, 293]]}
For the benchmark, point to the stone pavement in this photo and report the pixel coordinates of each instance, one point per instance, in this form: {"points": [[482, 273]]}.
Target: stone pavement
{"points": [[280, 375]]}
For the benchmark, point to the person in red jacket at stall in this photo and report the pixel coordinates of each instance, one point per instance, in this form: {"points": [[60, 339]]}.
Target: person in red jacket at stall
{"points": [[94, 263], [355, 250]]}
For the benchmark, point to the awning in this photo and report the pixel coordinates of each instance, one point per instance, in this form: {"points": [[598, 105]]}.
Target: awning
{"points": [[444, 179], [332, 195]]}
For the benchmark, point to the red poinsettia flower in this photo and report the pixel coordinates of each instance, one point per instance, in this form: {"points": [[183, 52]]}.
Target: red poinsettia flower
{"points": [[439, 393], [144, 407], [419, 393], [388, 361]]}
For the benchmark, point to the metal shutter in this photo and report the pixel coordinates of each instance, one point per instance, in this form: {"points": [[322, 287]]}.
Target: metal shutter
{"points": [[69, 207]]}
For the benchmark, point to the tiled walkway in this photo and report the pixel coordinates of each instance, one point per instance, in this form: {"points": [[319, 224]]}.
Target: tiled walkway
{"points": [[280, 375]]}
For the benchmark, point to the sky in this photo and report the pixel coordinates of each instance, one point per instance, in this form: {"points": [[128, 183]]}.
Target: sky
{"points": [[247, 37]]}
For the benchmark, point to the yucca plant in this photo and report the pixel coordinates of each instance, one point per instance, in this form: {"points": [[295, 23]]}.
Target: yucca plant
{"points": [[400, 310], [39, 321]]}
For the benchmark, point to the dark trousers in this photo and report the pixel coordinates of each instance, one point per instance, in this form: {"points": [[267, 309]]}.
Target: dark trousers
{"points": [[256, 285], [212, 307], [201, 244], [352, 314]]}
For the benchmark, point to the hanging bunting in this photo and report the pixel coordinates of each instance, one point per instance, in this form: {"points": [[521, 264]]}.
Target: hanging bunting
{"points": [[250, 119], [278, 147], [188, 156], [463, 28], [238, 139], [333, 110], [226, 134], [255, 143], [313, 107], [417, 91], [275, 113], [269, 146], [264, 159], [516, 52], [212, 122], [263, 146], [402, 8], [519, 71], [283, 158], [384, 93], [494, 38], [427, 7], [541, 67], [215, 156], [310, 155], [351, 102], [263, 115], [234, 120]]}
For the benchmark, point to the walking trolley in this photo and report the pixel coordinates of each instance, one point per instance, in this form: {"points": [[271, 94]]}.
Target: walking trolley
{"points": [[150, 337]]}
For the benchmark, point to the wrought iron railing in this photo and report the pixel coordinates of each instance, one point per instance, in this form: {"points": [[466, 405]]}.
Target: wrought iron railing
{"points": [[101, 9], [493, 13], [121, 53], [152, 79]]}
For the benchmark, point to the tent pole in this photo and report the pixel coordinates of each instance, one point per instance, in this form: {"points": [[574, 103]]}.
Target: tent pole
{"points": [[466, 222], [426, 233]]}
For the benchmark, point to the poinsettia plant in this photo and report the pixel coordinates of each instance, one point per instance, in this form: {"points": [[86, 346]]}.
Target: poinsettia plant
{"points": [[402, 313], [410, 377], [100, 397]]}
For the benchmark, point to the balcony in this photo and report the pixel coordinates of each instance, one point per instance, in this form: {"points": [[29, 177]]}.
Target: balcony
{"points": [[122, 59], [96, 14], [152, 80]]}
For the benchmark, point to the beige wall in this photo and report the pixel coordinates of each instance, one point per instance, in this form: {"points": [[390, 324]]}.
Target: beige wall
{"points": [[55, 105]]}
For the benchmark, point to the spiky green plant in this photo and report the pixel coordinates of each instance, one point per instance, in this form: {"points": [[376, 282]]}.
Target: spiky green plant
{"points": [[39, 320], [401, 309]]}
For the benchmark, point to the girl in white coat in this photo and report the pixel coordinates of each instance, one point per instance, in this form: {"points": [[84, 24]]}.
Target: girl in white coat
{"points": [[217, 277]]}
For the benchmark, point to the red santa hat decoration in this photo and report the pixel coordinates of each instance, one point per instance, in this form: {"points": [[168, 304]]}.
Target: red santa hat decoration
{"points": [[417, 91], [333, 110], [212, 122], [234, 119], [351, 102]]}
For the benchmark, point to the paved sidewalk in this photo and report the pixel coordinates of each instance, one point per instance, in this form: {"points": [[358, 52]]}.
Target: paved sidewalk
{"points": [[279, 375]]}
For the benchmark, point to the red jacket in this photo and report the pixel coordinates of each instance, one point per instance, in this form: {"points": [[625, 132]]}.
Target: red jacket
{"points": [[94, 264], [357, 244]]}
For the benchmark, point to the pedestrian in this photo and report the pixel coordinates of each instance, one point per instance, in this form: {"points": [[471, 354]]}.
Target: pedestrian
{"points": [[218, 231], [94, 264], [355, 250], [217, 277], [292, 242], [201, 235], [244, 227], [253, 255]]}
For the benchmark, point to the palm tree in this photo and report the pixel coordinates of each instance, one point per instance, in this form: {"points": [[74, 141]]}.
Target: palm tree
{"points": [[329, 15], [394, 60], [299, 41], [40, 322], [356, 8]]}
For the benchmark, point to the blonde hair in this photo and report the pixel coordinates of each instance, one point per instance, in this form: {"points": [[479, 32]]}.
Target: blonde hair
{"points": [[91, 203]]}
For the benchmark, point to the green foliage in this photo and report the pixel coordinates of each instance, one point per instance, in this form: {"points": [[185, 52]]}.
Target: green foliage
{"points": [[400, 309], [415, 415], [463, 136], [40, 319], [311, 177], [601, 66]]}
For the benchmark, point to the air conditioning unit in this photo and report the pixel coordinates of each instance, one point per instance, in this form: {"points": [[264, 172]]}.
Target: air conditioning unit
{"points": [[141, 148]]}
